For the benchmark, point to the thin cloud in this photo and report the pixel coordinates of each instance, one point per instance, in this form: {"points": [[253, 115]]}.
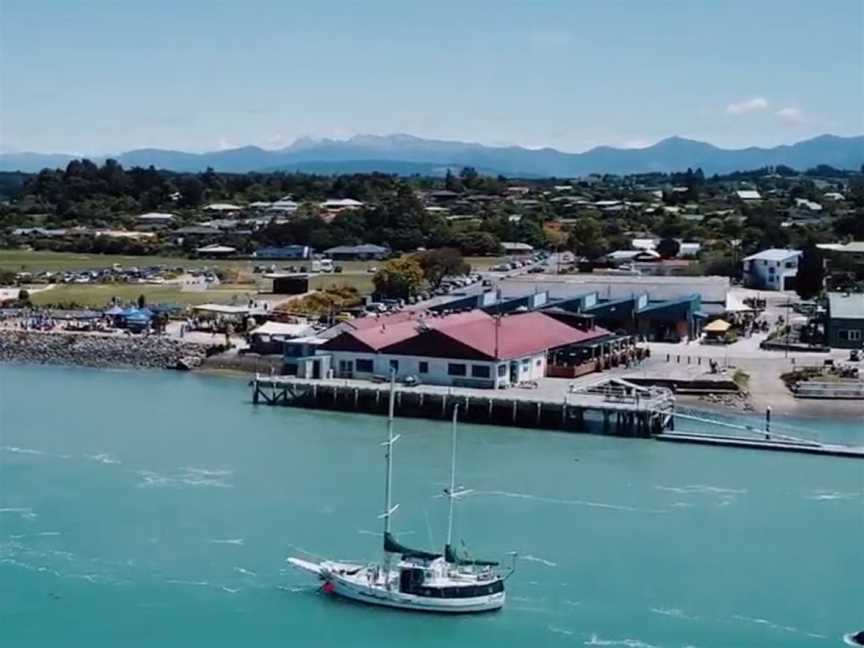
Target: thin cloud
{"points": [[747, 106], [791, 115]]}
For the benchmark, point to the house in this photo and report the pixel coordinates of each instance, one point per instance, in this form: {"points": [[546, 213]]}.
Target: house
{"points": [[748, 195], [844, 320], [291, 252], [626, 256], [341, 203], [223, 207], [155, 218], [516, 248], [772, 269], [470, 349], [284, 205], [271, 336], [358, 252], [216, 250]]}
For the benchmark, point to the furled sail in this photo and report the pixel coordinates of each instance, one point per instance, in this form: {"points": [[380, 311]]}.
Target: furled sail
{"points": [[452, 556], [392, 546]]}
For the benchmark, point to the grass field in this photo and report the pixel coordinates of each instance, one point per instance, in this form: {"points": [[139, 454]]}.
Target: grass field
{"points": [[99, 295], [355, 274], [38, 261]]}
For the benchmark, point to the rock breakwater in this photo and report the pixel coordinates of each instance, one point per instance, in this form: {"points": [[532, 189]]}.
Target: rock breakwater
{"points": [[150, 352]]}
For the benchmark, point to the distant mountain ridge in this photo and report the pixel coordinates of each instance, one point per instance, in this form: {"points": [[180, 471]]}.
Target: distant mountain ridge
{"points": [[407, 154]]}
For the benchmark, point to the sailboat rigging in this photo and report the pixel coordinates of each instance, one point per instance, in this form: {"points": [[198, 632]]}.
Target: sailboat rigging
{"points": [[414, 579]]}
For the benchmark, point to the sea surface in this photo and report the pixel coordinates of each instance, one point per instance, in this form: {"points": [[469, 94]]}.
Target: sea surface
{"points": [[144, 509]]}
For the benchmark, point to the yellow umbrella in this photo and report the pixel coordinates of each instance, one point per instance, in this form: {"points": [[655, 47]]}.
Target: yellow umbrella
{"points": [[717, 326]]}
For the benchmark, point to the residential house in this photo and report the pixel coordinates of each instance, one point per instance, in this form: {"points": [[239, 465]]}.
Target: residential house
{"points": [[772, 269]]}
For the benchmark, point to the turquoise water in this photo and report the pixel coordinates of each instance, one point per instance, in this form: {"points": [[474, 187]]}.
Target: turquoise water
{"points": [[156, 509]]}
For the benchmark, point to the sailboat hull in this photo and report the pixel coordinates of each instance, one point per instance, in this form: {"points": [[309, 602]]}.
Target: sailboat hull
{"points": [[379, 595]]}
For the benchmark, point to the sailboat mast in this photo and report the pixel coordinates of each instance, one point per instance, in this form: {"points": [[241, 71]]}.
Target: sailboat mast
{"points": [[452, 491], [388, 454]]}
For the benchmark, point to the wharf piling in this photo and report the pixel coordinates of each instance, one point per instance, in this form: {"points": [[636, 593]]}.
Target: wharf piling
{"points": [[626, 409]]}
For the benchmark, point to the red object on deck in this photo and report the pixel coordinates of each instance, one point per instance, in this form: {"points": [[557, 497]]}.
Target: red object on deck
{"points": [[328, 587]]}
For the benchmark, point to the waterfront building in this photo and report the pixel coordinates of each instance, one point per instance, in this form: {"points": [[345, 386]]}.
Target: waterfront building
{"points": [[773, 269], [472, 349], [844, 323]]}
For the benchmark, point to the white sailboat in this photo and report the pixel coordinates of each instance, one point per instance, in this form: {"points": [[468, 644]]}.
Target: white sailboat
{"points": [[412, 579]]}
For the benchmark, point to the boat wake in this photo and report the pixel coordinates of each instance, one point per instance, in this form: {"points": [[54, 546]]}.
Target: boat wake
{"points": [[195, 477], [776, 626], [542, 561], [104, 458], [702, 489], [629, 643], [558, 630], [830, 495], [25, 513], [674, 613], [569, 502], [228, 541]]}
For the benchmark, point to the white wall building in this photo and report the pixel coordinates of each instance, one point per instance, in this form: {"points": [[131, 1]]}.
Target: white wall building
{"points": [[772, 269]]}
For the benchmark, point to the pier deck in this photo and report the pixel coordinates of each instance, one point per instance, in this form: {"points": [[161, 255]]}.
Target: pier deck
{"points": [[622, 408]]}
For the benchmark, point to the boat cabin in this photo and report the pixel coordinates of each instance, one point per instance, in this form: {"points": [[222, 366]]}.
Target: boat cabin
{"points": [[412, 580]]}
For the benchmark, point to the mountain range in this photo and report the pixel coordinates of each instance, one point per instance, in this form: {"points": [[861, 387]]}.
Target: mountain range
{"points": [[407, 154]]}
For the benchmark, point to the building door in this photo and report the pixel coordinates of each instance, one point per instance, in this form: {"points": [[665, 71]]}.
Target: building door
{"points": [[316, 369], [346, 368]]}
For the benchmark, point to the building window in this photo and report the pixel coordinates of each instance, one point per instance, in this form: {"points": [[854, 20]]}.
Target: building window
{"points": [[526, 364], [852, 335], [539, 362], [502, 371], [364, 366], [423, 367], [480, 371], [454, 369], [394, 365]]}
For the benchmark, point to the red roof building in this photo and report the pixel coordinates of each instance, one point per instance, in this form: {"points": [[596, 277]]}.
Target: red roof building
{"points": [[501, 350]]}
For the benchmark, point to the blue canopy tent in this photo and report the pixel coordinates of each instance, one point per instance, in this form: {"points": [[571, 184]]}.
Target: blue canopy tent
{"points": [[137, 321]]}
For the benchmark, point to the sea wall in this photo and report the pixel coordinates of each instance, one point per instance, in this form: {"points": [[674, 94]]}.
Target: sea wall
{"points": [[151, 352]]}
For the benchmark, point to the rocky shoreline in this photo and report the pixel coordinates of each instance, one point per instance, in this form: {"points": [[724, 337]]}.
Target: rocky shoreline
{"points": [[145, 352]]}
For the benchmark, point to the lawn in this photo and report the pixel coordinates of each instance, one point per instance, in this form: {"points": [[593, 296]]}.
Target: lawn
{"points": [[355, 274], [37, 261], [99, 295]]}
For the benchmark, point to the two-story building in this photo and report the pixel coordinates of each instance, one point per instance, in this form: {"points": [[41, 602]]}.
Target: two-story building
{"points": [[772, 269], [844, 322]]}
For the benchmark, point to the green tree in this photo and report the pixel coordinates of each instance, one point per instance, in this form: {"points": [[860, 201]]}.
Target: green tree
{"points": [[668, 248], [142, 301], [811, 272], [24, 296], [477, 243], [399, 278], [440, 263], [586, 238]]}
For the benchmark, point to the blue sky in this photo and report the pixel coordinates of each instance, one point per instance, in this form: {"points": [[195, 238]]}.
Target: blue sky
{"points": [[107, 76]]}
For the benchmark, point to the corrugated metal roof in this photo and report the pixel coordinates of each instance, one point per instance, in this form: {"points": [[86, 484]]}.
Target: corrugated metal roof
{"points": [[846, 305], [773, 254]]}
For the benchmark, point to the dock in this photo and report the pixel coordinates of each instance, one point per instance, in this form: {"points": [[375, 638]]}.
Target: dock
{"points": [[611, 406], [619, 407], [781, 445]]}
